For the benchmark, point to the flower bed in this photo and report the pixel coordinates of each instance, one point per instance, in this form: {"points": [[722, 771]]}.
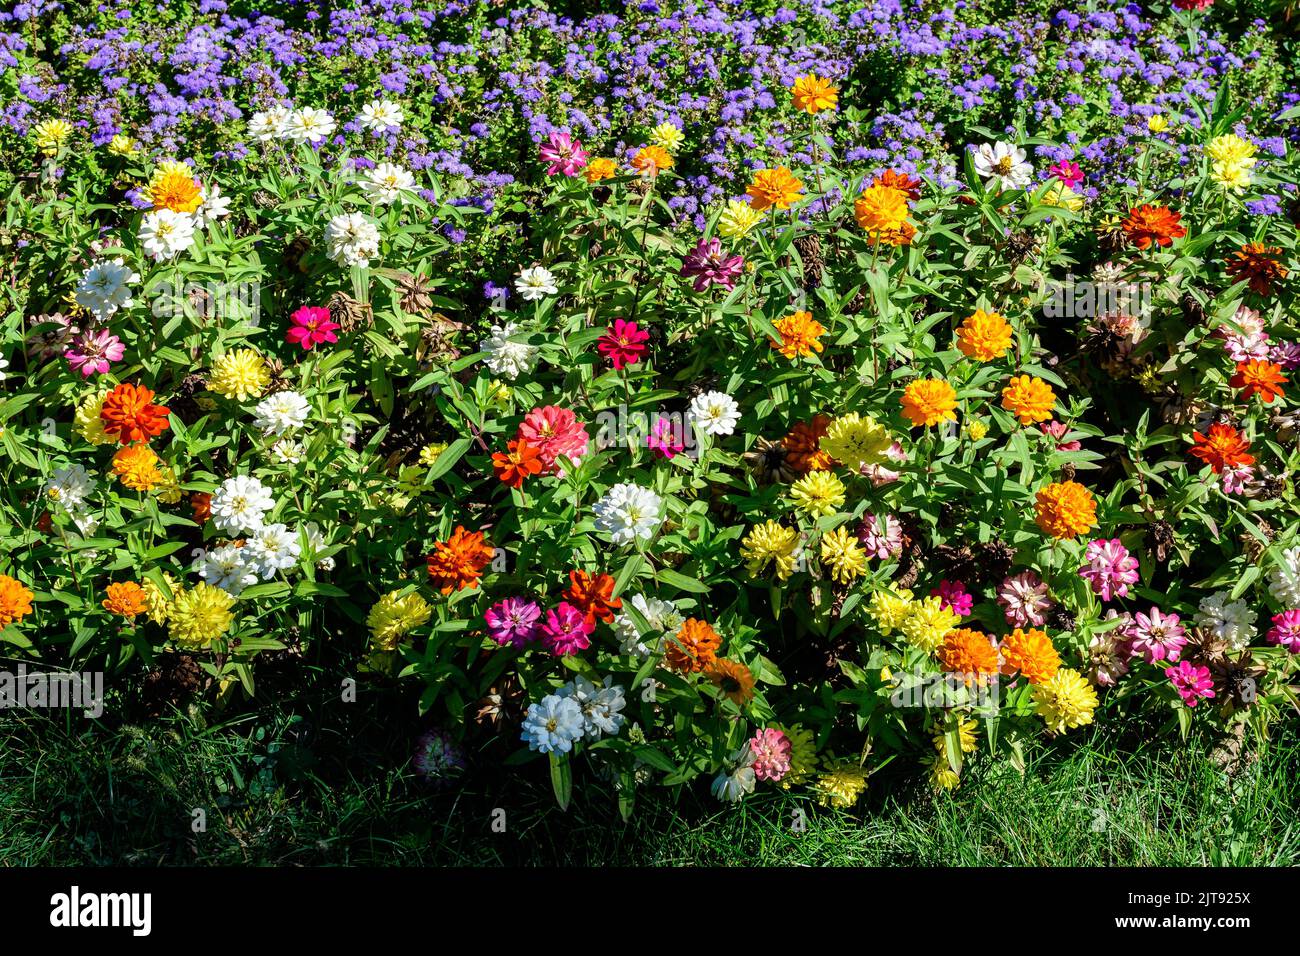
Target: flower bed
{"points": [[755, 395]]}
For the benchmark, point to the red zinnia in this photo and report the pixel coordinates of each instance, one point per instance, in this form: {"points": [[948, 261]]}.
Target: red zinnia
{"points": [[1146, 226], [1258, 263], [1259, 377], [130, 414], [594, 596], [1224, 447], [521, 461], [623, 343]]}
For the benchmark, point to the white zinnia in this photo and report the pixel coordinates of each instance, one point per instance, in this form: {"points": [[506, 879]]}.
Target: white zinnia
{"points": [[308, 125], [105, 287], [1233, 622], [240, 504], [387, 183], [1284, 580], [1003, 165], [165, 233], [381, 116], [714, 413], [269, 124], [70, 487], [505, 356], [226, 568], [628, 512], [351, 239], [535, 284], [280, 412], [553, 723], [601, 705], [288, 451], [660, 616], [215, 206], [273, 548]]}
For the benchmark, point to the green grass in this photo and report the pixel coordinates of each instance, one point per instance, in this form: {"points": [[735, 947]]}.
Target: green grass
{"points": [[334, 787]]}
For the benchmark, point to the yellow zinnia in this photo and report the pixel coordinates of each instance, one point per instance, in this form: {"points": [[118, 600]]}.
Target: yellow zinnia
{"points": [[241, 374], [770, 543], [818, 493]]}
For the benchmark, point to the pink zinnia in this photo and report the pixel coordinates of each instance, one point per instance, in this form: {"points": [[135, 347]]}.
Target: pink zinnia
{"points": [[1286, 631], [563, 154], [879, 474], [567, 630], [1193, 4], [1067, 172], [1191, 682], [513, 621], [771, 749], [623, 343], [665, 438], [1023, 599], [881, 536], [310, 326], [952, 596], [1238, 479], [91, 353], [1111, 568], [709, 265], [1286, 354], [554, 432], [1158, 636], [1057, 430]]}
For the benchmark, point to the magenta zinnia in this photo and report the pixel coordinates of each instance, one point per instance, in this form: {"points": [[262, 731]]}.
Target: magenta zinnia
{"points": [[562, 154], [623, 343], [709, 265]]}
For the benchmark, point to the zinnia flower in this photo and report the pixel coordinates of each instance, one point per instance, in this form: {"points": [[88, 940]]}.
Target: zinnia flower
{"points": [[562, 154], [125, 598], [650, 161], [812, 94], [771, 749], [598, 169], [856, 441], [1258, 263], [92, 353], [310, 326], [593, 595], [129, 414], [513, 621], [970, 654], [566, 630], [709, 265], [693, 648], [1066, 701], [984, 336], [174, 187], [15, 600], [927, 623], [777, 188], [1191, 682], [1023, 599], [1110, 569], [803, 445], [394, 616], [1261, 378], [799, 335], [198, 616], [1223, 447], [882, 213], [1002, 166], [458, 562], [666, 439], [1157, 636], [1031, 653], [520, 461], [1029, 399], [733, 679], [623, 344], [1285, 631], [770, 543], [954, 597], [556, 433], [842, 555], [929, 401], [1065, 510], [629, 512], [1147, 225], [239, 375], [136, 466], [818, 493]]}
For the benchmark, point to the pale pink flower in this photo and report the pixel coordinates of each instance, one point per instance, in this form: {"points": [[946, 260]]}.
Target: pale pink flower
{"points": [[771, 749], [1023, 598]]}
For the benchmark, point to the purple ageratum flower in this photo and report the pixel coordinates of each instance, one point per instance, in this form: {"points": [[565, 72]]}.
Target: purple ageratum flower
{"points": [[92, 353], [1023, 599], [1111, 569], [881, 536], [513, 621], [567, 630], [562, 154], [1286, 631], [709, 265], [1191, 682], [952, 596], [1157, 636]]}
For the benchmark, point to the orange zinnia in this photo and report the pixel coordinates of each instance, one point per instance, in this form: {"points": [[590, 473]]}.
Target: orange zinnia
{"points": [[694, 647], [735, 680], [1152, 225], [650, 161], [799, 335], [774, 187], [1031, 653], [459, 561], [812, 94], [1260, 264], [593, 596], [1029, 399], [803, 446], [136, 466], [969, 653], [125, 598], [1259, 377], [15, 600], [904, 183], [201, 505], [1224, 447], [130, 414], [929, 401], [521, 461], [1065, 509]]}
